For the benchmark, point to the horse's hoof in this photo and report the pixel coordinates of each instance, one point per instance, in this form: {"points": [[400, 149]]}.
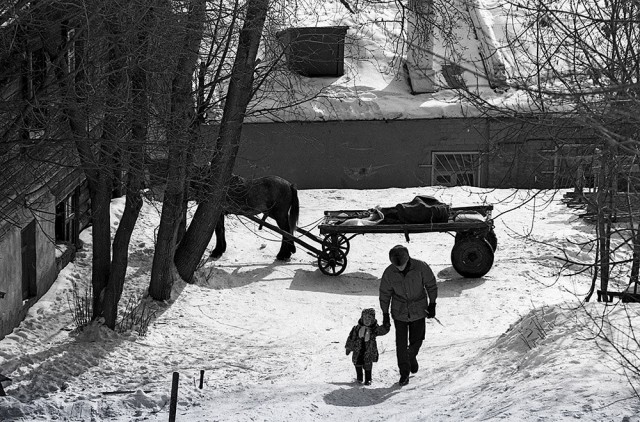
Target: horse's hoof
{"points": [[215, 255], [285, 257]]}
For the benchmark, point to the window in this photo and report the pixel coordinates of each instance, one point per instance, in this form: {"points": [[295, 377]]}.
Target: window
{"points": [[37, 122], [456, 168], [71, 53], [36, 72], [28, 241], [35, 76], [67, 219], [452, 73]]}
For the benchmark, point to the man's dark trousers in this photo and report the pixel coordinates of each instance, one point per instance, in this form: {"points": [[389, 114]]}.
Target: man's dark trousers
{"points": [[413, 334]]}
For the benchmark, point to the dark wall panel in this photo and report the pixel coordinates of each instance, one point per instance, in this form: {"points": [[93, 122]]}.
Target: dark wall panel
{"points": [[355, 154]]}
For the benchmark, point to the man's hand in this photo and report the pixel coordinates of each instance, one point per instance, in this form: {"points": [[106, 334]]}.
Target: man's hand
{"points": [[431, 310], [386, 320]]}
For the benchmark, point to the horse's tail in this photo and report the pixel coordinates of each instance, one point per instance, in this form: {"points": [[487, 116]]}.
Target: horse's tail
{"points": [[294, 211]]}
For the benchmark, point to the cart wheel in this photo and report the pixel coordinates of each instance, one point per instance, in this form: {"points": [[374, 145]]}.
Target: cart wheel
{"points": [[332, 261], [472, 257], [492, 239], [339, 241]]}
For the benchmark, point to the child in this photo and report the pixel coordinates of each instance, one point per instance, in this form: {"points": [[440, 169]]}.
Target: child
{"points": [[362, 342]]}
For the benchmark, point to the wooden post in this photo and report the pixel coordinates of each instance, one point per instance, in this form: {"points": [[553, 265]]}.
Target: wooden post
{"points": [[2, 379], [174, 397], [201, 377]]}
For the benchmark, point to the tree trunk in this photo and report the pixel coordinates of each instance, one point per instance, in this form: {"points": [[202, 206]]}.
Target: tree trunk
{"points": [[101, 237], [97, 176], [604, 219], [161, 272], [199, 233], [178, 138], [119, 262], [108, 166], [135, 176], [635, 265], [99, 181]]}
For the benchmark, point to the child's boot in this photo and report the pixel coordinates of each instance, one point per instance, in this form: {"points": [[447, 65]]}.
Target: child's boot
{"points": [[359, 374], [367, 377]]}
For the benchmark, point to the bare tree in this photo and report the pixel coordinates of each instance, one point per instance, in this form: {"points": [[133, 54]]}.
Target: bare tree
{"points": [[238, 96], [118, 150], [179, 137], [575, 63]]}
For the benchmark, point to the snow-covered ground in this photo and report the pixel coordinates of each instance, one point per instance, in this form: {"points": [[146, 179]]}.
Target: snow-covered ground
{"points": [[513, 345]]}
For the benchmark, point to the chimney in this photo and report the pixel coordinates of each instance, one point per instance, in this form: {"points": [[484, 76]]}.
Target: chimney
{"points": [[456, 48], [420, 24]]}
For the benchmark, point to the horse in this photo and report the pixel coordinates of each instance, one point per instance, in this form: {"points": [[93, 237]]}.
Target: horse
{"points": [[272, 196]]}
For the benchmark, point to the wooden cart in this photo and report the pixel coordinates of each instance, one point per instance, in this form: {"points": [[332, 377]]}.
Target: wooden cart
{"points": [[471, 256]]}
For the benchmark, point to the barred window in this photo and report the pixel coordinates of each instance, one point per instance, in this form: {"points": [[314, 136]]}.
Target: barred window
{"points": [[456, 168]]}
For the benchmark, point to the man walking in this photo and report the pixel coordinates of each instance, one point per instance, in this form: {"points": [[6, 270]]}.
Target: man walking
{"points": [[409, 287]]}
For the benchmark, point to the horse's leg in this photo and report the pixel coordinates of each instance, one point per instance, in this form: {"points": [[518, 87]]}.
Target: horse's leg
{"points": [[221, 242], [287, 218], [293, 213], [287, 247]]}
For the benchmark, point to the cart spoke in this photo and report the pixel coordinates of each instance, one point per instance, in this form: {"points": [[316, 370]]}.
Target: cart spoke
{"points": [[332, 262]]}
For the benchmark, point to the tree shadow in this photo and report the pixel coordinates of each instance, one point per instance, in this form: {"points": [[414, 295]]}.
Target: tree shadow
{"points": [[356, 283], [452, 284], [358, 396], [230, 276], [218, 278], [52, 369]]}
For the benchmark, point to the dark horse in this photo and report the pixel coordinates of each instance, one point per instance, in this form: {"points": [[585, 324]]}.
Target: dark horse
{"points": [[270, 195]]}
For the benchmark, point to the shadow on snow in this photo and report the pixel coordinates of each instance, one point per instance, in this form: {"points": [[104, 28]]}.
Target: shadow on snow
{"points": [[359, 396]]}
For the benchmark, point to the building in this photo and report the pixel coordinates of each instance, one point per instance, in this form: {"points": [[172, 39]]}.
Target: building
{"points": [[44, 202], [362, 128]]}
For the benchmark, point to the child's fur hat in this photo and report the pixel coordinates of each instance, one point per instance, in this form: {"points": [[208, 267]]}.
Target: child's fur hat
{"points": [[369, 311]]}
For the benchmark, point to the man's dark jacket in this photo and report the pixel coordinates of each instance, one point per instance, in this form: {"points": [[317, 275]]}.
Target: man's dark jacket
{"points": [[408, 293]]}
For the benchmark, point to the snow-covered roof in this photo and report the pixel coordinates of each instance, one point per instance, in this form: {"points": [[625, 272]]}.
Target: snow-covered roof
{"points": [[375, 84]]}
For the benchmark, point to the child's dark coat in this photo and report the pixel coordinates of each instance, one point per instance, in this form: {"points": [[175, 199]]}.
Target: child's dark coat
{"points": [[355, 344]]}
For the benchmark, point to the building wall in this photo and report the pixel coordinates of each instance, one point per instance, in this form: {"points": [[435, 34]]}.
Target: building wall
{"points": [[46, 271], [521, 152], [514, 153], [13, 309], [10, 281], [355, 154]]}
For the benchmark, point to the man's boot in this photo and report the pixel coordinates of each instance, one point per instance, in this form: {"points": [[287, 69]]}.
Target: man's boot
{"points": [[367, 377], [404, 380], [414, 365], [359, 374]]}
